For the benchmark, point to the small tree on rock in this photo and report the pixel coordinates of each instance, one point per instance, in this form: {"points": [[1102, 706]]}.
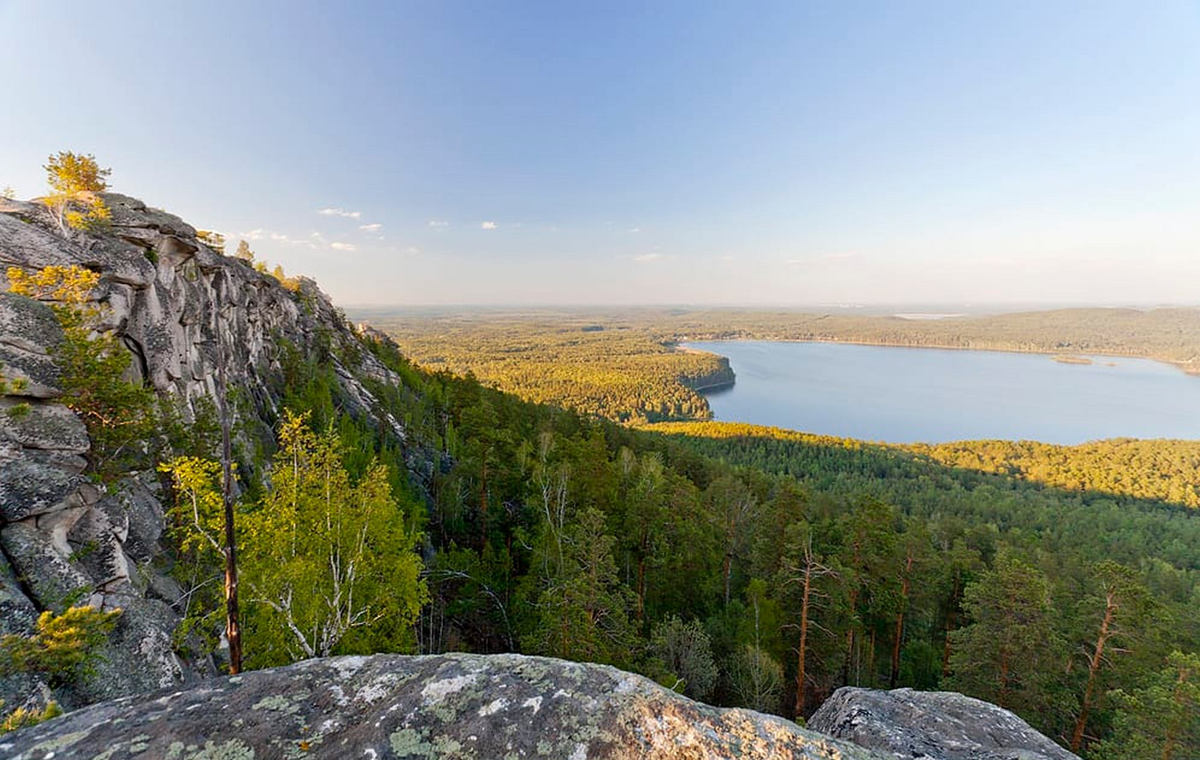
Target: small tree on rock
{"points": [[75, 179]]}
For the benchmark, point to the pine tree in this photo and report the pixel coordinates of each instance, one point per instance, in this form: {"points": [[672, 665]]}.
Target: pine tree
{"points": [[1006, 652], [804, 569], [583, 612], [1116, 609], [1160, 720]]}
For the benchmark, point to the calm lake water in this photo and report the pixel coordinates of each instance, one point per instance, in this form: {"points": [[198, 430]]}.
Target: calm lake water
{"points": [[903, 395]]}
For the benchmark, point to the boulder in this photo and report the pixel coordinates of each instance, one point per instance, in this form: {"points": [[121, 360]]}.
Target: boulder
{"points": [[17, 613], [444, 706], [27, 323], [96, 545], [55, 581], [137, 514], [931, 725], [29, 487], [38, 425], [138, 657]]}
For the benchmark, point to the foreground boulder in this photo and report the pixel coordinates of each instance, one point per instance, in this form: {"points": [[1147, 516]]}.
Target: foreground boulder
{"points": [[443, 706], [932, 725]]}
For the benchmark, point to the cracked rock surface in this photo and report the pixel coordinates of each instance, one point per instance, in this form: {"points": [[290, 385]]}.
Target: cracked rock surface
{"points": [[444, 706], [932, 725]]}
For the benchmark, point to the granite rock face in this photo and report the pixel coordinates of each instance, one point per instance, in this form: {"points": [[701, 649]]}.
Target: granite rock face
{"points": [[445, 706], [174, 303], [931, 725]]}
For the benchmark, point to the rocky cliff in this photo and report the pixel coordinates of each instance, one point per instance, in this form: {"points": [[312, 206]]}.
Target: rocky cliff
{"points": [[174, 303]]}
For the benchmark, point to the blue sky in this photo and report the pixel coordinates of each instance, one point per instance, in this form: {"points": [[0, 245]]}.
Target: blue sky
{"points": [[665, 152]]}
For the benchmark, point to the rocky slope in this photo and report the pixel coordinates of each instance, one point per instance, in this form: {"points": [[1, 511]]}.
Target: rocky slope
{"points": [[931, 724], [447, 706], [173, 302]]}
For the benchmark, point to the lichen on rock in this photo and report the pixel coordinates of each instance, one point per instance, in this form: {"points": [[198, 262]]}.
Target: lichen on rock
{"points": [[444, 706]]}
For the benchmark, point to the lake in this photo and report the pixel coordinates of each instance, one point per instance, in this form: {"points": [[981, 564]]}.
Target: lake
{"points": [[904, 395]]}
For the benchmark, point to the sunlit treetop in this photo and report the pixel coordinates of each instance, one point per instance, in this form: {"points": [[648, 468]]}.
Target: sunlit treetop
{"points": [[71, 174]]}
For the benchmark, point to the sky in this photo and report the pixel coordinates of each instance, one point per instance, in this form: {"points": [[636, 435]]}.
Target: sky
{"points": [[615, 153]]}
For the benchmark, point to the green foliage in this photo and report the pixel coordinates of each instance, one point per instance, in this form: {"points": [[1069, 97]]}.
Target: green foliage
{"points": [[198, 516], [23, 717], [563, 360], [214, 240], [684, 652], [119, 414], [243, 252], [327, 560], [75, 181], [755, 679], [583, 608], [62, 646], [1159, 719], [1006, 653]]}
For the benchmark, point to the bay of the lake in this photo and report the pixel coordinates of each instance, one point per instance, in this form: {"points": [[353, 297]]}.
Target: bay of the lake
{"points": [[905, 395]]}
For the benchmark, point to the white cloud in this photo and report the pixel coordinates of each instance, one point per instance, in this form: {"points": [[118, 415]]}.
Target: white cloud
{"points": [[343, 246], [376, 227], [438, 224], [412, 249], [340, 212], [839, 256], [488, 226], [278, 237], [643, 257], [635, 229]]}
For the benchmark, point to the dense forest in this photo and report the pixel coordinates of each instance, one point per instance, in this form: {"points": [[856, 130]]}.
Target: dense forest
{"points": [[745, 582], [623, 364], [614, 372], [1060, 582], [1149, 471]]}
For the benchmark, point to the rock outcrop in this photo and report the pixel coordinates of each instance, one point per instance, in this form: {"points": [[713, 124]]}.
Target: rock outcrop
{"points": [[931, 725], [445, 706], [173, 302]]}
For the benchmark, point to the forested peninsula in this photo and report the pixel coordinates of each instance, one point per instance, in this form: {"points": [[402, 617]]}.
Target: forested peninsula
{"points": [[626, 364]]}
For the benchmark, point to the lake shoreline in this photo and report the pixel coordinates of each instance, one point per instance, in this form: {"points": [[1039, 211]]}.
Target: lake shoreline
{"points": [[897, 397], [1188, 368]]}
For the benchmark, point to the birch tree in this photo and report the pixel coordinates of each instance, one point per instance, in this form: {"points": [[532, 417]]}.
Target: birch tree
{"points": [[324, 556]]}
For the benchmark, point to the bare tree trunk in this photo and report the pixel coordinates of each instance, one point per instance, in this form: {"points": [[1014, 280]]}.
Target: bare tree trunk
{"points": [[727, 571], [809, 596], [1002, 694], [951, 618], [1093, 667], [904, 585], [483, 502], [801, 676], [1173, 730], [641, 584], [233, 629]]}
